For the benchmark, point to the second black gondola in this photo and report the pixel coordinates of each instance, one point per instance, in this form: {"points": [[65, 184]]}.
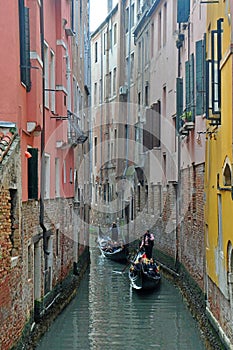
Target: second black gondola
{"points": [[144, 274]]}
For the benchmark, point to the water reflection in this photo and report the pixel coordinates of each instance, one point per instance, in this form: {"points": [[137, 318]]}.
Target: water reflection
{"points": [[108, 314]]}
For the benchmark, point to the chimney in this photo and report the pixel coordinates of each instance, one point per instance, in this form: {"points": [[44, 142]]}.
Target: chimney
{"points": [[109, 6]]}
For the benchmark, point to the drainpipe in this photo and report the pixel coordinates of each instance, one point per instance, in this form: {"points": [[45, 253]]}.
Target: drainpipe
{"points": [[68, 80], [42, 185], [178, 187]]}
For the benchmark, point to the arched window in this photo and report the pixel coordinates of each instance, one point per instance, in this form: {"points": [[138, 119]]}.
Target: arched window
{"points": [[227, 175]]}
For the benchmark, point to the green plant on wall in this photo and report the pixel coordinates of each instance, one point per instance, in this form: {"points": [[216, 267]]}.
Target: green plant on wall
{"points": [[187, 116]]}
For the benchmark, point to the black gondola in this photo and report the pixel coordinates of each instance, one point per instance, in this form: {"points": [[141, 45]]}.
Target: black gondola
{"points": [[116, 251], [144, 275]]}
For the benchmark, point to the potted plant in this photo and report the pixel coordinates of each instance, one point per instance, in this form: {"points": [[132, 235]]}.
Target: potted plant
{"points": [[187, 116]]}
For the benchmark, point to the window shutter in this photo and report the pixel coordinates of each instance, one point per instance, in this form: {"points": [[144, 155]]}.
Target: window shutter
{"points": [[192, 94], [208, 89], [187, 86], [157, 126], [199, 85], [183, 11], [200, 77], [27, 51], [33, 174], [22, 40], [24, 32], [179, 102]]}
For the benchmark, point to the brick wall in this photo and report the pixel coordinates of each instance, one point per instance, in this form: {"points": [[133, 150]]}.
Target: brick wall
{"points": [[12, 310], [186, 239], [20, 235]]}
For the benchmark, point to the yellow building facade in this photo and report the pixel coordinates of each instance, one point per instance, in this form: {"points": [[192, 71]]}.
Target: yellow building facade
{"points": [[218, 171]]}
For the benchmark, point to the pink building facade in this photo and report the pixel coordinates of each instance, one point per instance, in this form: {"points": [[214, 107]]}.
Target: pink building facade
{"points": [[40, 137]]}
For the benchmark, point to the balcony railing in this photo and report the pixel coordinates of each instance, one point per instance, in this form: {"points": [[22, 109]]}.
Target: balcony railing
{"points": [[75, 134]]}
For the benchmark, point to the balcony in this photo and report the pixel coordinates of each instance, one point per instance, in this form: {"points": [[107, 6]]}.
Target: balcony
{"points": [[187, 123], [75, 134]]}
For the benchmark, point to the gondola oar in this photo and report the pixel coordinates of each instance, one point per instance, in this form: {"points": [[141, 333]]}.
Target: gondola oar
{"points": [[129, 262], [121, 272]]}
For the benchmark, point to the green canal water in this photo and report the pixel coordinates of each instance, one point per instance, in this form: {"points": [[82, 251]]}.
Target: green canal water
{"points": [[107, 314]]}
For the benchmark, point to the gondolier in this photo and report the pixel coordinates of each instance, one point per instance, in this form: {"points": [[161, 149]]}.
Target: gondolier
{"points": [[114, 230], [147, 243]]}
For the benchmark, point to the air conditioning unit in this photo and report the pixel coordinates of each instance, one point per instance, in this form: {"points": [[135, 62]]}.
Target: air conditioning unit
{"points": [[123, 90]]}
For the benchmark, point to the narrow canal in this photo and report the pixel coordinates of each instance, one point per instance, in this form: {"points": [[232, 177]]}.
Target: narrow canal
{"points": [[106, 314]]}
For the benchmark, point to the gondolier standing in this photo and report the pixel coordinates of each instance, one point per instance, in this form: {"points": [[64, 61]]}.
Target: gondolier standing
{"points": [[148, 243], [114, 230]]}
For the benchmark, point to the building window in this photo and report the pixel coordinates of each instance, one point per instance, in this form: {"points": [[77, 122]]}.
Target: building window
{"points": [[146, 50], [24, 31], [189, 86], [110, 39], [106, 86], [64, 171], [132, 16], [213, 72], [105, 42], [110, 84], [33, 174], [115, 143], [95, 150], [165, 166], [115, 34], [100, 91], [96, 51], [46, 74], [57, 177], [57, 242], [114, 81], [164, 24], [164, 101], [47, 176], [152, 39], [159, 30], [227, 175], [139, 197], [139, 56], [127, 68], [146, 95], [95, 94], [71, 176], [132, 68], [200, 77], [139, 101], [127, 20], [52, 81]]}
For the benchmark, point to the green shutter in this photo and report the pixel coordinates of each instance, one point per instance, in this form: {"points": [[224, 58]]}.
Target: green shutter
{"points": [[27, 51], [183, 11], [187, 86], [199, 79], [24, 32], [204, 98], [192, 93], [33, 174], [179, 101]]}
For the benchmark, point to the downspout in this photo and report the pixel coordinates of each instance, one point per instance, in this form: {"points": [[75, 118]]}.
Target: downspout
{"points": [[128, 111], [68, 82], [178, 187], [42, 185]]}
